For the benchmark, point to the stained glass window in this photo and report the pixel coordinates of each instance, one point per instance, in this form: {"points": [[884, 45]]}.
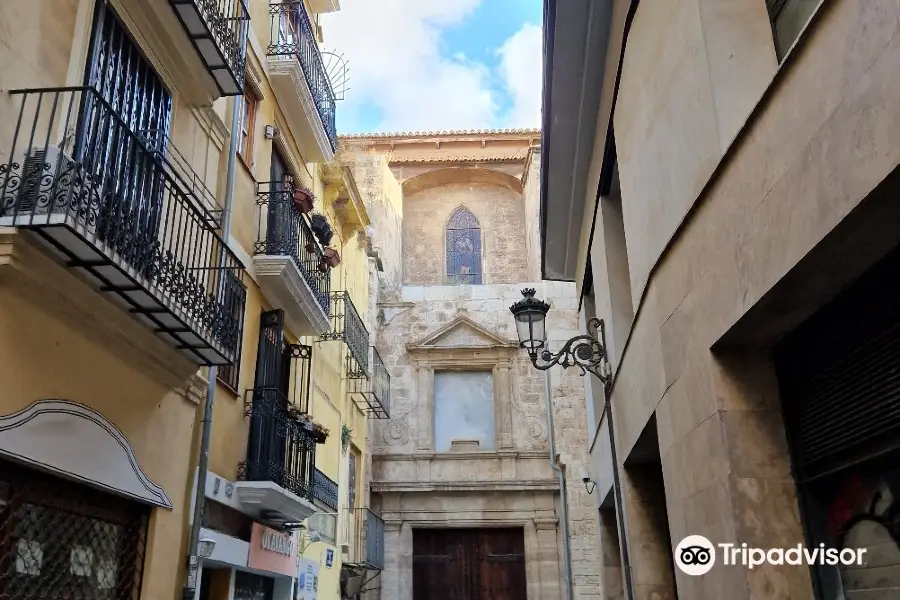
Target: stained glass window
{"points": [[463, 248]]}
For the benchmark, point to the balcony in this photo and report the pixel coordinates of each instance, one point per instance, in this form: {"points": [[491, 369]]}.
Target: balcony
{"points": [[287, 257], [365, 533], [373, 394], [325, 490], [300, 80], [277, 479], [113, 209], [347, 326], [218, 31]]}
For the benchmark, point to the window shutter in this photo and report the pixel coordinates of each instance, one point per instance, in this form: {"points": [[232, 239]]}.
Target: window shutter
{"points": [[840, 374]]}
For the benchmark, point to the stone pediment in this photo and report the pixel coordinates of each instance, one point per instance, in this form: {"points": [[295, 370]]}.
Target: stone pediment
{"points": [[462, 332]]}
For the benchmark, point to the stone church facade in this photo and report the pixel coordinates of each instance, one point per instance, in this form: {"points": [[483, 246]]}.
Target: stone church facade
{"points": [[467, 447]]}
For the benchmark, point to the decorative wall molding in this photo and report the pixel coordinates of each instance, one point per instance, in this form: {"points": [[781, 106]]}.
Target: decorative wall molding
{"points": [[194, 390], [513, 485], [77, 442]]}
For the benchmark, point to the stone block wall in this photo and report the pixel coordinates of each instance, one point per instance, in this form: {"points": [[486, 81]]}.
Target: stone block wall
{"points": [[500, 214], [413, 303], [531, 194]]}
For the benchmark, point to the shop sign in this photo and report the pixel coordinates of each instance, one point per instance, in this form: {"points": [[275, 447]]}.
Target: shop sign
{"points": [[307, 580], [272, 551]]}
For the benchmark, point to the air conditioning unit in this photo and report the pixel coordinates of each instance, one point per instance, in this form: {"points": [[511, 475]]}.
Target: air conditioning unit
{"points": [[42, 182]]}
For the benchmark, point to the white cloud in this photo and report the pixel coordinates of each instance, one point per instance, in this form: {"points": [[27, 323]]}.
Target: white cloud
{"points": [[520, 68], [393, 48]]}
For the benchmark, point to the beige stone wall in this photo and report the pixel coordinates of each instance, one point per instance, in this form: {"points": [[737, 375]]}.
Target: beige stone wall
{"points": [[793, 211], [531, 194], [502, 218], [724, 59]]}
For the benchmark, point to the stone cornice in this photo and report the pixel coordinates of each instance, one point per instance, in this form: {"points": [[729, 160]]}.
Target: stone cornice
{"points": [[512, 485], [480, 455], [503, 158], [443, 133]]}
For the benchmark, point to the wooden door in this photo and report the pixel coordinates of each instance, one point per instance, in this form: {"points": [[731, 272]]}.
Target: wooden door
{"points": [[469, 564]]}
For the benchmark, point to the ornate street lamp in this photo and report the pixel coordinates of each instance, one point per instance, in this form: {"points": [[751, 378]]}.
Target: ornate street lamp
{"points": [[587, 352]]}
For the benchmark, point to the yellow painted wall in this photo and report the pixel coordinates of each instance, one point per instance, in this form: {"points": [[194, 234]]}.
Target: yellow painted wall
{"points": [[42, 356]]}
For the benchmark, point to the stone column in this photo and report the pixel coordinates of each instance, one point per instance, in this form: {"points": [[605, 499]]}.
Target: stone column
{"points": [[503, 404], [393, 550], [547, 557], [425, 406], [405, 563]]}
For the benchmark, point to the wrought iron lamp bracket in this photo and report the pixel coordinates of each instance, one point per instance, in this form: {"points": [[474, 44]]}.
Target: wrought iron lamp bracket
{"points": [[587, 352]]}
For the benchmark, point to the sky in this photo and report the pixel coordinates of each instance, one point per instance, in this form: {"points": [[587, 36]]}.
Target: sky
{"points": [[422, 65]]}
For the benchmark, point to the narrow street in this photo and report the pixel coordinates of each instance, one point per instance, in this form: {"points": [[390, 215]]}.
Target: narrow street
{"points": [[469, 300]]}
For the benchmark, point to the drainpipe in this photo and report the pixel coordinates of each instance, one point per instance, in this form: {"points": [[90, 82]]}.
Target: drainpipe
{"points": [[617, 485], [203, 463], [620, 508], [563, 491]]}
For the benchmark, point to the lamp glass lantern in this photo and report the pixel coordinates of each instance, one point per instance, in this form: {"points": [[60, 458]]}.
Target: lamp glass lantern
{"points": [[530, 314]]}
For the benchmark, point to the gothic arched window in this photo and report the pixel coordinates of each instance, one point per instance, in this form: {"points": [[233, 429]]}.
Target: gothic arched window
{"points": [[463, 248]]}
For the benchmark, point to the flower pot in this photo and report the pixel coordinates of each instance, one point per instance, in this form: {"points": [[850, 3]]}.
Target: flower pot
{"points": [[320, 436], [331, 257], [322, 229], [303, 200]]}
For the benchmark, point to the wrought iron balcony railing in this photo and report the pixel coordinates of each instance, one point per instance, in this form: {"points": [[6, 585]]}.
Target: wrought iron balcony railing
{"points": [[381, 387], [280, 449], [373, 395], [285, 231], [292, 34], [366, 537], [179, 167], [346, 325], [218, 30], [78, 176], [325, 490]]}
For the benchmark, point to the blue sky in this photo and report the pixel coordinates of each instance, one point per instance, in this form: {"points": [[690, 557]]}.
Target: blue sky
{"points": [[438, 64]]}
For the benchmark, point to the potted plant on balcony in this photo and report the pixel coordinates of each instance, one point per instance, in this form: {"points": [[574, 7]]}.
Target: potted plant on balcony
{"points": [[303, 199], [330, 259], [322, 228], [320, 434], [301, 418]]}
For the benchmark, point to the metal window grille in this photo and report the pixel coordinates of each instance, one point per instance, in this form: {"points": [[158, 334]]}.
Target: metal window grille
{"points": [[59, 539]]}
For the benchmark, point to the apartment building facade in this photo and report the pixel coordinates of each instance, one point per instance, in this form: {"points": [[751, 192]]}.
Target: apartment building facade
{"points": [[141, 256], [720, 182]]}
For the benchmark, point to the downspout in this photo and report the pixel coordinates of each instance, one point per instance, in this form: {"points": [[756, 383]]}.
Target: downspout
{"points": [[617, 484], [206, 432], [563, 491]]}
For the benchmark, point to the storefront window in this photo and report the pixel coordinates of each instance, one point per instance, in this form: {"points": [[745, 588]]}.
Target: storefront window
{"points": [[248, 586]]}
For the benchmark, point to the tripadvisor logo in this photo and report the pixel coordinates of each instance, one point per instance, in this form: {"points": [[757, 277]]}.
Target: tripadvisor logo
{"points": [[696, 555]]}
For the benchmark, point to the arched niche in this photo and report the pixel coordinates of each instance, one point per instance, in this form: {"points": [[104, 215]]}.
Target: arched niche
{"points": [[460, 175], [77, 442]]}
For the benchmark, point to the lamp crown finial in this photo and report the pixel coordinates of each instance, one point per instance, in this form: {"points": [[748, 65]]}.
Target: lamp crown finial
{"points": [[529, 292]]}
